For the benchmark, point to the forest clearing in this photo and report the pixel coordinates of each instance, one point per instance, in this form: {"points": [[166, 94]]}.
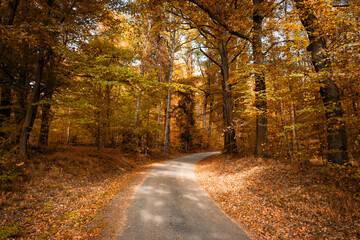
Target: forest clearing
{"points": [[93, 92]]}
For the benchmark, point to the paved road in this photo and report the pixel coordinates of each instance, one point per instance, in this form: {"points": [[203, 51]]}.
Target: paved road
{"points": [[171, 205]]}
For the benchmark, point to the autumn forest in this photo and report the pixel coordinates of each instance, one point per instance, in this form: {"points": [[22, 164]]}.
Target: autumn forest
{"points": [[270, 79]]}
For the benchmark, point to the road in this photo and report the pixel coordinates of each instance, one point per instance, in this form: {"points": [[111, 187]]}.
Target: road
{"points": [[170, 205]]}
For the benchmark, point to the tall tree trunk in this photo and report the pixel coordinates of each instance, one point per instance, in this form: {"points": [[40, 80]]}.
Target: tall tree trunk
{"points": [[138, 100], [46, 110], [168, 105], [229, 130], [294, 122], [167, 121], [45, 124], [138, 104], [68, 129], [98, 129], [8, 18], [5, 95], [206, 96], [159, 124], [289, 152], [5, 98], [21, 93], [336, 132], [109, 136], [31, 108], [142, 72], [260, 87], [211, 111]]}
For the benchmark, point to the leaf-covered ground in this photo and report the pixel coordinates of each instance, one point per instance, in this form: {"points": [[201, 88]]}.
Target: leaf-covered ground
{"points": [[273, 200], [66, 191]]}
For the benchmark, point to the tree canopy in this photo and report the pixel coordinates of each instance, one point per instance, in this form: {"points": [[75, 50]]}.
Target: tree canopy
{"points": [[272, 78]]}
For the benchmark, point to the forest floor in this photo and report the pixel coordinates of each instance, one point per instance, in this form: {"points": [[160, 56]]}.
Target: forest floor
{"points": [[275, 200], [68, 191], [79, 193]]}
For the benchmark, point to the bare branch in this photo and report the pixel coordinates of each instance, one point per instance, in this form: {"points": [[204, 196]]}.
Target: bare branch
{"points": [[238, 54], [219, 21], [211, 59]]}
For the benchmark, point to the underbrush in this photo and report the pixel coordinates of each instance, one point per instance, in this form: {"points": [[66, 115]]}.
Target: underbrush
{"points": [[274, 200], [65, 189]]}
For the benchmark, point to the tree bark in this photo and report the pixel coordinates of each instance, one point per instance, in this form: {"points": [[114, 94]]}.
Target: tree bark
{"points": [[289, 152], [206, 95], [211, 111], [142, 72], [8, 18], [260, 87], [45, 124], [159, 124], [21, 93], [68, 128], [168, 105], [31, 108], [138, 104], [5, 99], [108, 134], [229, 130], [336, 132], [294, 122], [46, 110]]}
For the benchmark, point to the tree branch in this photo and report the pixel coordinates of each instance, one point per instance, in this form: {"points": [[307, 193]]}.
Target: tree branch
{"points": [[210, 58], [238, 54], [219, 21]]}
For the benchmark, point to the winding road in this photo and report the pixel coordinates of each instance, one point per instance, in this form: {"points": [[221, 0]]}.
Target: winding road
{"points": [[171, 205]]}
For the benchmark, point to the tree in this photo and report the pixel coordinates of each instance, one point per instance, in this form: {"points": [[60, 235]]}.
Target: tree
{"points": [[234, 10], [6, 20], [186, 120], [330, 93]]}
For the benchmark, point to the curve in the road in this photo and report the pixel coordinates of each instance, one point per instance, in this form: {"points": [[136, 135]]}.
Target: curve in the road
{"points": [[171, 205]]}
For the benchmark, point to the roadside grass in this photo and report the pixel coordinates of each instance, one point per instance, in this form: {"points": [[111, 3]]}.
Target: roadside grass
{"points": [[275, 200], [66, 190]]}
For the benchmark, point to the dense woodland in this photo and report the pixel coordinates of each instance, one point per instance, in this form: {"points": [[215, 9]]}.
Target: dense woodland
{"points": [[270, 78]]}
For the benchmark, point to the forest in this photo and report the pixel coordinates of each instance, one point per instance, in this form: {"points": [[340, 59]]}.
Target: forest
{"points": [[270, 79]]}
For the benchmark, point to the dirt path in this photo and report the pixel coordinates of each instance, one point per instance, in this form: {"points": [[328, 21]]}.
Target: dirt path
{"points": [[171, 205]]}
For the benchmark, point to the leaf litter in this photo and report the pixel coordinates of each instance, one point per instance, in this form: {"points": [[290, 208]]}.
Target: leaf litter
{"points": [[275, 200], [68, 190]]}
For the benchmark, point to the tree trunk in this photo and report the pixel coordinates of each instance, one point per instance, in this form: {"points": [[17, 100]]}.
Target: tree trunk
{"points": [[294, 122], [21, 94], [159, 124], [211, 111], [108, 135], [168, 105], [5, 94], [68, 129], [336, 132], [5, 98], [229, 130], [46, 109], [260, 87], [289, 152], [138, 103], [45, 124], [167, 121], [8, 18], [138, 100], [206, 95], [142, 72], [31, 109]]}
